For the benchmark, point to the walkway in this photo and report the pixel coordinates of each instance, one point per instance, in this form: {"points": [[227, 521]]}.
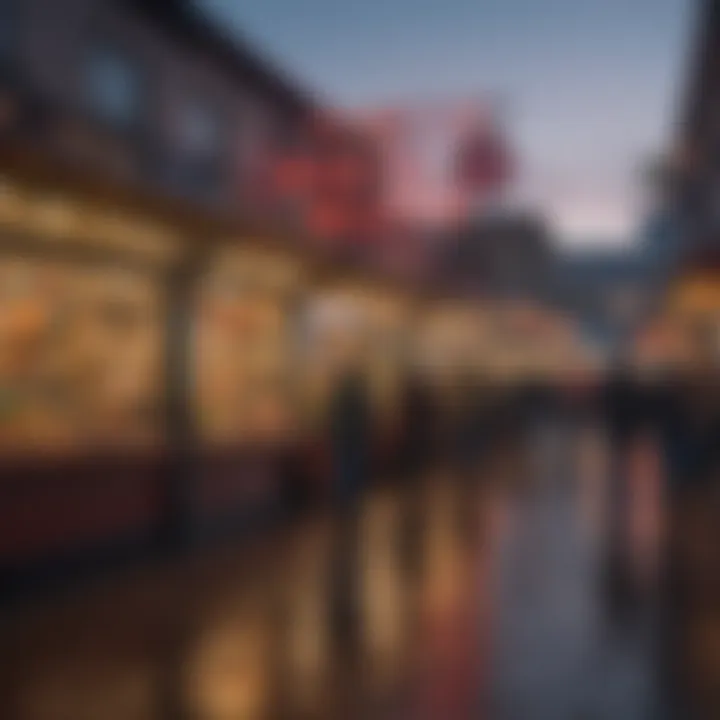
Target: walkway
{"points": [[507, 621]]}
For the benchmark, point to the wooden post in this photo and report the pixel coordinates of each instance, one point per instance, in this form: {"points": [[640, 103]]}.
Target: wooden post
{"points": [[183, 441]]}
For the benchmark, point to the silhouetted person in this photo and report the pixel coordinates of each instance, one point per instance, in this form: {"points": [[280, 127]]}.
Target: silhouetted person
{"points": [[534, 403], [624, 413], [350, 438], [673, 436], [417, 453], [472, 439], [350, 448], [417, 427], [465, 440]]}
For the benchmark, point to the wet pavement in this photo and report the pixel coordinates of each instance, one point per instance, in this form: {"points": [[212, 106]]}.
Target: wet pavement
{"points": [[498, 612], [559, 653]]}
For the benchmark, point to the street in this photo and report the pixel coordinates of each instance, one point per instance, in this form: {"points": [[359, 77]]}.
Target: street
{"points": [[504, 622]]}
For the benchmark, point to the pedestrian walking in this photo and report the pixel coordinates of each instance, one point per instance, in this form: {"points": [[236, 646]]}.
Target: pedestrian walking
{"points": [[350, 441]]}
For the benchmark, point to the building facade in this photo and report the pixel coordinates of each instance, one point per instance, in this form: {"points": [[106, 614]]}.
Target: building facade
{"points": [[150, 266], [149, 92], [691, 186], [501, 257]]}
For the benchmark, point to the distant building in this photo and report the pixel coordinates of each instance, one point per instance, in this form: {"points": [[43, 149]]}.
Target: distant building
{"points": [[501, 256], [693, 182], [608, 290]]}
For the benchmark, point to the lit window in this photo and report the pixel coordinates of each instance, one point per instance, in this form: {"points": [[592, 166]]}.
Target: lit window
{"points": [[112, 85]]}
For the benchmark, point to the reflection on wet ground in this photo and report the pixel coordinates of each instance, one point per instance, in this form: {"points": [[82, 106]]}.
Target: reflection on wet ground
{"points": [[497, 611]]}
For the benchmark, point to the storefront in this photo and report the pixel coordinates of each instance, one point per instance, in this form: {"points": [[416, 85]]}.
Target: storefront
{"points": [[152, 376], [657, 346], [509, 344], [83, 433], [692, 316], [351, 322], [246, 379], [450, 353]]}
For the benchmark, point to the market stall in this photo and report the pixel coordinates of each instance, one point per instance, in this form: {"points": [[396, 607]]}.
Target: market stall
{"points": [[80, 358], [246, 372], [450, 351], [348, 322], [693, 313], [368, 324], [658, 345], [447, 343], [82, 373]]}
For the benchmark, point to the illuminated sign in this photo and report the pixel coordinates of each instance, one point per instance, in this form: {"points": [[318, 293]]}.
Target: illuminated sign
{"points": [[333, 180]]}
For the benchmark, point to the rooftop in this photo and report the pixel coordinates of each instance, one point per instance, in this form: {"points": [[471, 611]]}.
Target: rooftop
{"points": [[193, 26]]}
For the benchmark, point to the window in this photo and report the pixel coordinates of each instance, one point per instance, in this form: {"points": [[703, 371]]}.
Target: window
{"points": [[8, 28], [198, 163], [112, 85], [50, 405], [199, 131]]}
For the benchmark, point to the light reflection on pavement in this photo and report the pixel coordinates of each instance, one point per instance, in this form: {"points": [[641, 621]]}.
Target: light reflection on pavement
{"points": [[504, 623]]}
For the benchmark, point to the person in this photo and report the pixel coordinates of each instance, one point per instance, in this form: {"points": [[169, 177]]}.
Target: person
{"points": [[417, 426], [472, 440], [350, 442], [471, 428], [418, 435], [674, 442], [623, 410], [349, 429]]}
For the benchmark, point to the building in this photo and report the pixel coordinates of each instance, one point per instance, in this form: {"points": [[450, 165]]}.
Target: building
{"points": [[154, 95], [149, 265], [609, 291], [692, 173], [148, 92], [681, 238], [441, 159], [499, 256], [333, 179]]}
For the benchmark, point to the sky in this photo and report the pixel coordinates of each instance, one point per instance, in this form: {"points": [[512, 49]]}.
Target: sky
{"points": [[590, 87]]}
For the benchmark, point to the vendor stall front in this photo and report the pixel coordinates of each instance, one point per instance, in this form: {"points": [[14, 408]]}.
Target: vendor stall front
{"points": [[450, 352], [692, 315], [364, 324], [82, 374], [246, 375]]}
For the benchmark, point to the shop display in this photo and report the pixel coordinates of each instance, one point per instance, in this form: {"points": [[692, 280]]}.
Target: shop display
{"points": [[449, 343], [360, 326], [332, 335], [243, 344], [80, 357], [388, 319], [692, 317]]}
